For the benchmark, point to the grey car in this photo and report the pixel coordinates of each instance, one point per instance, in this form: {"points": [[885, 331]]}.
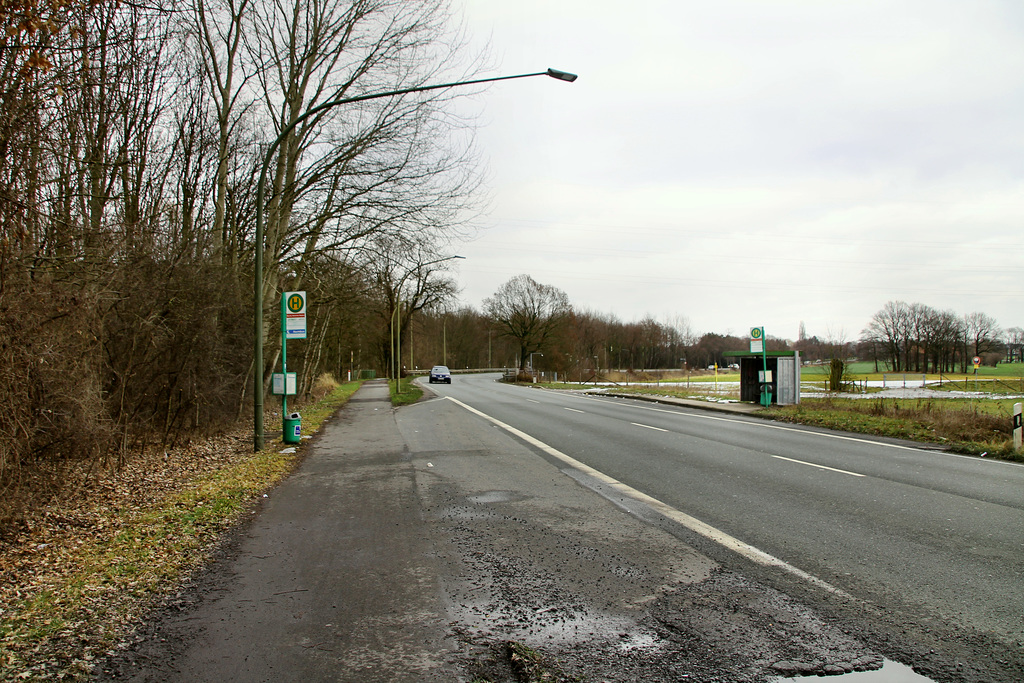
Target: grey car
{"points": [[440, 373]]}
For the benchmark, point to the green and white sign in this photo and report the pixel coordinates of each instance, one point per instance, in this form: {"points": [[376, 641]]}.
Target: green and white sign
{"points": [[294, 315], [757, 340]]}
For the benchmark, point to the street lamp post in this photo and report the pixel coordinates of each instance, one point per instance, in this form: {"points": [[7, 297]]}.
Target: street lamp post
{"points": [[395, 313], [257, 388]]}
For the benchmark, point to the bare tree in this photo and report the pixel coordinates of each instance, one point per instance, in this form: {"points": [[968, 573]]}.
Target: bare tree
{"points": [[1013, 337], [219, 29], [406, 277], [914, 334], [888, 327], [919, 329], [981, 335], [348, 174], [588, 334], [945, 332], [528, 312], [130, 137]]}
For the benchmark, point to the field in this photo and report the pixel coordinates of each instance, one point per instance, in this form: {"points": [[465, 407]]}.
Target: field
{"points": [[866, 370]]}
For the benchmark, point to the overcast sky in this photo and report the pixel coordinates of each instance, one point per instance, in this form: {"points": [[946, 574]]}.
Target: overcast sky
{"points": [[762, 162]]}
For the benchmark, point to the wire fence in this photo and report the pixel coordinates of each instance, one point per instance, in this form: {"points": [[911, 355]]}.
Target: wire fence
{"points": [[984, 384], [897, 380]]}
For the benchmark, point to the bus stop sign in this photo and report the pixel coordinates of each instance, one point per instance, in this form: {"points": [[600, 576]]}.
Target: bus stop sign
{"points": [[294, 315]]}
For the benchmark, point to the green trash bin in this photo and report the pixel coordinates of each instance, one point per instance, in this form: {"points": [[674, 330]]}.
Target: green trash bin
{"points": [[293, 428]]}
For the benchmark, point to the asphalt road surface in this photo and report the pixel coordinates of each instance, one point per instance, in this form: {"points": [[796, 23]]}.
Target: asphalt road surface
{"points": [[922, 537], [618, 540], [877, 519]]}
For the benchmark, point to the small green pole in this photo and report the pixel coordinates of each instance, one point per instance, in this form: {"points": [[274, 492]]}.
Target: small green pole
{"points": [[764, 368]]}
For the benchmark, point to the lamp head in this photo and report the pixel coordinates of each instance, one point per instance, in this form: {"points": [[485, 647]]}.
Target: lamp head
{"points": [[562, 75]]}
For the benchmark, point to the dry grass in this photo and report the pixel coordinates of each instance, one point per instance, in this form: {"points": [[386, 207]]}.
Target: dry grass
{"points": [[971, 427], [76, 573]]}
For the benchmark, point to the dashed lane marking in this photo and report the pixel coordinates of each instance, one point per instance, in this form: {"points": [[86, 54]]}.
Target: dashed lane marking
{"points": [[687, 411], [657, 429], [823, 467]]}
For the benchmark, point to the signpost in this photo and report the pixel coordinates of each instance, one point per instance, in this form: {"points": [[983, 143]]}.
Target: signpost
{"points": [[293, 326], [757, 340], [294, 315], [757, 345]]}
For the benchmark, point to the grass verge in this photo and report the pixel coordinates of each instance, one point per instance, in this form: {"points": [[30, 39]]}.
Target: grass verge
{"points": [[972, 427], [410, 393], [75, 596]]}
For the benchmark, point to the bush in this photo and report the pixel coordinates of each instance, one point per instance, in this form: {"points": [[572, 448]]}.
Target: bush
{"points": [[91, 372], [323, 386], [51, 404]]}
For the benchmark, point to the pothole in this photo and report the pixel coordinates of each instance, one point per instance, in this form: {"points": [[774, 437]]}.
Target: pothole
{"points": [[494, 497], [891, 672], [738, 621]]}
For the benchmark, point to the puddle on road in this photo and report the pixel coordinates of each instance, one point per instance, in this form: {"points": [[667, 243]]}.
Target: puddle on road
{"points": [[495, 497], [891, 672]]}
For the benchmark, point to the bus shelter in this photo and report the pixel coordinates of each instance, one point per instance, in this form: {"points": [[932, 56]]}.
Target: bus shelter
{"points": [[784, 375]]}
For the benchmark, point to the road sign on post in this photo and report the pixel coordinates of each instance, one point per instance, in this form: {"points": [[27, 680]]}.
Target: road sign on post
{"points": [[294, 315], [293, 326], [757, 346], [757, 340]]}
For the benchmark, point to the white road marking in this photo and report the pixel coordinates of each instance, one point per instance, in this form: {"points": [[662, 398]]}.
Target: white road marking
{"points": [[743, 549], [755, 422], [658, 429], [832, 469], [532, 401], [573, 410], [762, 423]]}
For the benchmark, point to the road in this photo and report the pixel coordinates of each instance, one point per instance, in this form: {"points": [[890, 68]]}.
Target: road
{"points": [[619, 541], [922, 535]]}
